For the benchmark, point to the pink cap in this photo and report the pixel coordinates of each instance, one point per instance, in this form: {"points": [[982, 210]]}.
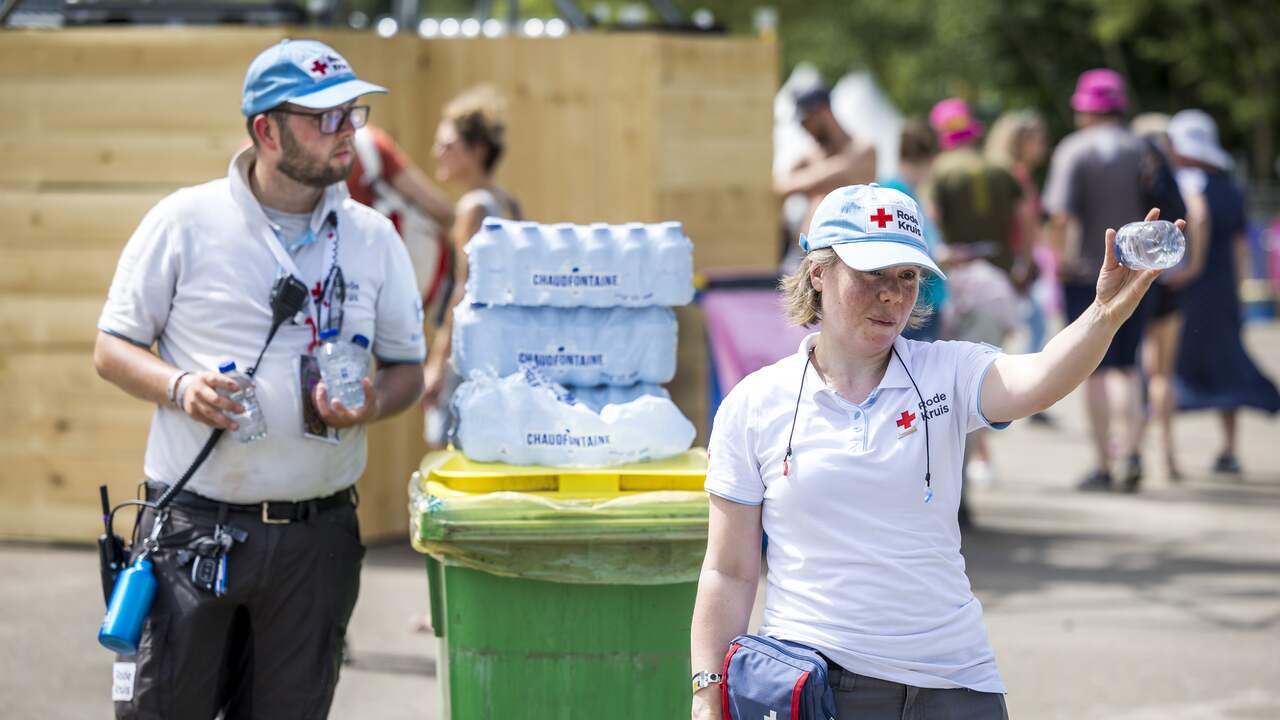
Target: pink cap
{"points": [[1100, 91], [954, 123]]}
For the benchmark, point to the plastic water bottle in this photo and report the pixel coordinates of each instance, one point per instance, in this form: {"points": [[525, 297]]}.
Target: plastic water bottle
{"points": [[1155, 245], [674, 284], [600, 257], [252, 425], [635, 258], [130, 604], [487, 263], [343, 366]]}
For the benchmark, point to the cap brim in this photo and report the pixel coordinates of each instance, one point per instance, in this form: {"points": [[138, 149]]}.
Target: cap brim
{"points": [[869, 255], [1207, 154], [336, 95]]}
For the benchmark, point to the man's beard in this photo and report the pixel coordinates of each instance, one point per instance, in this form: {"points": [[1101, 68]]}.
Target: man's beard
{"points": [[297, 165]]}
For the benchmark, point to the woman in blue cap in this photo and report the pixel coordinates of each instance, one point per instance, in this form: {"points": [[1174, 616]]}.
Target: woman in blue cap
{"points": [[848, 454]]}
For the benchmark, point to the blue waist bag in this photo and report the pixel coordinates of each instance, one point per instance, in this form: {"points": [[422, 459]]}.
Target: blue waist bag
{"points": [[772, 678]]}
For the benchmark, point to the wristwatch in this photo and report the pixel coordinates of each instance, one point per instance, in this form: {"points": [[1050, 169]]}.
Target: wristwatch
{"points": [[702, 679]]}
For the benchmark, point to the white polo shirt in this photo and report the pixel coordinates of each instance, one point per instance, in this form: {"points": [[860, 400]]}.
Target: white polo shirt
{"points": [[860, 566], [196, 279]]}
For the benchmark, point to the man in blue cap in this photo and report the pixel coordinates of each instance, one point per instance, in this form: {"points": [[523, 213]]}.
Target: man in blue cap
{"points": [[258, 632]]}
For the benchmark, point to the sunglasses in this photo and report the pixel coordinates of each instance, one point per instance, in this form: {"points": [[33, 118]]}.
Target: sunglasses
{"points": [[330, 120]]}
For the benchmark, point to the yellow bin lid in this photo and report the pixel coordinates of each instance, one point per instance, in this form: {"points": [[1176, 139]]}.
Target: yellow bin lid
{"points": [[454, 471]]}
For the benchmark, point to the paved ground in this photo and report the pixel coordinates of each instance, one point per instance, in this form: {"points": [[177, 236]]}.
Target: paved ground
{"points": [[1163, 605]]}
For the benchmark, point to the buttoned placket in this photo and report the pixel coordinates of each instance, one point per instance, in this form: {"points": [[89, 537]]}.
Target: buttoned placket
{"points": [[859, 428]]}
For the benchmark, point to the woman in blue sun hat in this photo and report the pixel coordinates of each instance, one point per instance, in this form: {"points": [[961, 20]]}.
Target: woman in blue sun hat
{"points": [[848, 454]]}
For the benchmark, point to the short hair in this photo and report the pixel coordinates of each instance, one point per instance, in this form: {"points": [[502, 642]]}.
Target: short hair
{"points": [[803, 302], [276, 111], [812, 99], [478, 116], [917, 143], [1007, 134]]}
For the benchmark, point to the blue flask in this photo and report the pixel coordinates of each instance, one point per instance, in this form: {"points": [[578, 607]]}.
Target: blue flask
{"points": [[130, 603]]}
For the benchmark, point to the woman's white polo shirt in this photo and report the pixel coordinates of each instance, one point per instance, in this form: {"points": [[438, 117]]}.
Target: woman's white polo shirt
{"points": [[861, 567]]}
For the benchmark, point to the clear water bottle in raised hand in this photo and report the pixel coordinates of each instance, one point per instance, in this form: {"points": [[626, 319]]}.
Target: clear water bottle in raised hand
{"points": [[343, 366], [251, 423], [1155, 245]]}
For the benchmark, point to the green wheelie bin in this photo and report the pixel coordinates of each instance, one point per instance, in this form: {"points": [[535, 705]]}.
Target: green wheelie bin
{"points": [[561, 592]]}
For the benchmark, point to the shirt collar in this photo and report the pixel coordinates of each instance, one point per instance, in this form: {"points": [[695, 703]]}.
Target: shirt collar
{"points": [[238, 175], [895, 376]]}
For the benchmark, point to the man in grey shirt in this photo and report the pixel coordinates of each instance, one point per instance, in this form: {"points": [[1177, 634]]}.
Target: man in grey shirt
{"points": [[1094, 184]]}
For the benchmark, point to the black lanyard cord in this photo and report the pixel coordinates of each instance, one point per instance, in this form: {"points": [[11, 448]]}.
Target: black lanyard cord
{"points": [[287, 298], [786, 465], [925, 412], [928, 469]]}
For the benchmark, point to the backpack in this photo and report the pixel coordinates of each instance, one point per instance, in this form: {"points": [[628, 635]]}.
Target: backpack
{"points": [[772, 678]]}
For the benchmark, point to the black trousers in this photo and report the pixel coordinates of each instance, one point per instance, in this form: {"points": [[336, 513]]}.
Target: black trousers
{"points": [[867, 698], [271, 647]]}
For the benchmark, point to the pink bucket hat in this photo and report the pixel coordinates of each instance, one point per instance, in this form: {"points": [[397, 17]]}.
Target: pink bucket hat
{"points": [[1100, 91], [952, 120]]}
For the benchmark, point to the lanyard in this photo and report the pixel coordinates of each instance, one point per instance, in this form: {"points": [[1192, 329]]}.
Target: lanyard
{"points": [[328, 294]]}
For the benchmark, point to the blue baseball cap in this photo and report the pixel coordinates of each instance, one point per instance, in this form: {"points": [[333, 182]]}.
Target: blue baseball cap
{"points": [[870, 228], [302, 72]]}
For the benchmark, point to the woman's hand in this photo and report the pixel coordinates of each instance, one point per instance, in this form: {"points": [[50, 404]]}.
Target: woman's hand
{"points": [[433, 380], [707, 704], [1120, 288]]}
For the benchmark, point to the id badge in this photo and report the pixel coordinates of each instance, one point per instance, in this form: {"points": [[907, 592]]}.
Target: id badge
{"points": [[312, 426]]}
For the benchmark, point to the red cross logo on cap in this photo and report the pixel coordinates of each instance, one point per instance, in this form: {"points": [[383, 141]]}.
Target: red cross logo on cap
{"points": [[881, 218], [905, 421], [319, 67]]}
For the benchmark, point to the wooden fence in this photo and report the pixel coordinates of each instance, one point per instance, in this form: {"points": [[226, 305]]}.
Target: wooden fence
{"points": [[100, 124]]}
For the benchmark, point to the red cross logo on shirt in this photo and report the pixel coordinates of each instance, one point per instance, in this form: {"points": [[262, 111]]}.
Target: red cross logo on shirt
{"points": [[319, 67], [905, 421], [881, 218]]}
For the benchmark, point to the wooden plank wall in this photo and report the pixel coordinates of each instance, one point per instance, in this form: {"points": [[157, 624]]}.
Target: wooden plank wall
{"points": [[102, 123]]}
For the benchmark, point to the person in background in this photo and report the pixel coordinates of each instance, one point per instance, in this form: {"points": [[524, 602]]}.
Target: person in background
{"points": [[917, 148], [387, 180], [469, 143], [1018, 142], [976, 204], [1214, 372], [838, 159], [1164, 326], [1094, 183]]}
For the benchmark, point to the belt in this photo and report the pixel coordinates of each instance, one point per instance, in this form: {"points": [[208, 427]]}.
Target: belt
{"points": [[271, 512], [835, 672]]}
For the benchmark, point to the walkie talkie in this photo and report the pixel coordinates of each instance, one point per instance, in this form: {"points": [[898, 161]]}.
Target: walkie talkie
{"points": [[111, 553]]}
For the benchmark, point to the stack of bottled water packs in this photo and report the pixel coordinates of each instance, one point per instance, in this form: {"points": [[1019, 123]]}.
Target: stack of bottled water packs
{"points": [[563, 340]]}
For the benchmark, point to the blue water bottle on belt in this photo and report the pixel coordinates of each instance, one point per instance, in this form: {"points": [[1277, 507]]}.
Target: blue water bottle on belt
{"points": [[130, 603]]}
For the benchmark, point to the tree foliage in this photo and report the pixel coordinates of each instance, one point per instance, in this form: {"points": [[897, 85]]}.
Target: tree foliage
{"points": [[1219, 55]]}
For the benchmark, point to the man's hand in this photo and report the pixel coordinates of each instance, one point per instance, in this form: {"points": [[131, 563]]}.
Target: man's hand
{"points": [[200, 399], [1120, 288], [339, 416]]}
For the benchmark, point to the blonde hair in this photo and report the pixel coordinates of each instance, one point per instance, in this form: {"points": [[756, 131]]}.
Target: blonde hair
{"points": [[803, 302], [479, 116], [1005, 139]]}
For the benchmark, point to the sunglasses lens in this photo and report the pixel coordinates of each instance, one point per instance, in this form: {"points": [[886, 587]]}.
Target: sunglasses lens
{"points": [[330, 120], [359, 116]]}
